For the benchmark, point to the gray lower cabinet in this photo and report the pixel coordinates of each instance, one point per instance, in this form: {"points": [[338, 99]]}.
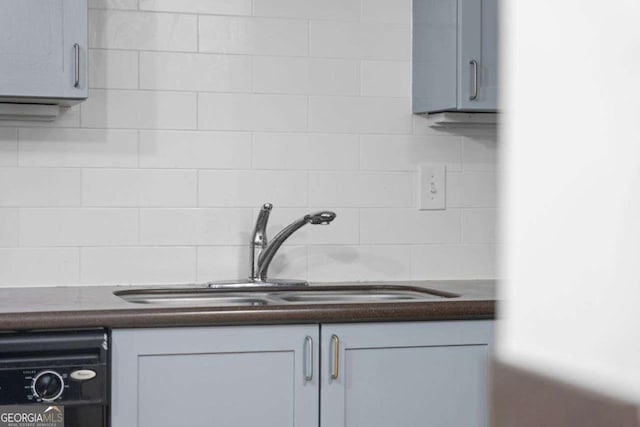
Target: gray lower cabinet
{"points": [[455, 55], [240, 376], [43, 46], [431, 374]]}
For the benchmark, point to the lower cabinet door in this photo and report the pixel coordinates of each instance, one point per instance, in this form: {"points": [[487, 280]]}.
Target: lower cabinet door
{"points": [[215, 376], [431, 374]]}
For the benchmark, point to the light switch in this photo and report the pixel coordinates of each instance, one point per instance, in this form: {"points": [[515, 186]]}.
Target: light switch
{"points": [[432, 187]]}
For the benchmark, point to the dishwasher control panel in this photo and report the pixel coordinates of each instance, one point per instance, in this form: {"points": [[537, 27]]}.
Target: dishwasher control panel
{"points": [[52, 383], [65, 368]]}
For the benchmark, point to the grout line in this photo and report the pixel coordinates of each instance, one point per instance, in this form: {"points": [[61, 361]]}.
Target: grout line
{"points": [[198, 33], [271, 55], [198, 111], [80, 275], [139, 55], [139, 216]]}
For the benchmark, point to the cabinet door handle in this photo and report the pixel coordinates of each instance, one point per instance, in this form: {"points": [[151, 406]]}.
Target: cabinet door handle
{"points": [[76, 65], [474, 77], [308, 358], [335, 371]]}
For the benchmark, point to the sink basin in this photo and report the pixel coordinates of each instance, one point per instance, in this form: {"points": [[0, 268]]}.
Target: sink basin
{"points": [[350, 296], [261, 296], [188, 297]]}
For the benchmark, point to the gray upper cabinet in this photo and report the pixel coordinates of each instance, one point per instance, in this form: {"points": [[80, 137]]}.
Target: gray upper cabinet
{"points": [[43, 51], [455, 56]]}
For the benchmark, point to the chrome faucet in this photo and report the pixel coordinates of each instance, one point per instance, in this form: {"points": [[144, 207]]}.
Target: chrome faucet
{"points": [[262, 252]]}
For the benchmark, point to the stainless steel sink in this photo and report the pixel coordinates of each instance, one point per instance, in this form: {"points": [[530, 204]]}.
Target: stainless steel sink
{"points": [[350, 296], [261, 296], [189, 297]]}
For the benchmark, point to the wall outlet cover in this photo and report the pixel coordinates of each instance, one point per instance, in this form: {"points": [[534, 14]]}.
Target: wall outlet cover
{"points": [[432, 187]]}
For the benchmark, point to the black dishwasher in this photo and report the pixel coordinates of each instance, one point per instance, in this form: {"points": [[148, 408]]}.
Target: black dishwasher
{"points": [[54, 379]]}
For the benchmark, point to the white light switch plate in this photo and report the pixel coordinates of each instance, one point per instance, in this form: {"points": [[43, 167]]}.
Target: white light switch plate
{"points": [[432, 187]]}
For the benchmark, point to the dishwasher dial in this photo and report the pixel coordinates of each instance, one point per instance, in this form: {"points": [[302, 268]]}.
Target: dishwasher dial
{"points": [[47, 385]]}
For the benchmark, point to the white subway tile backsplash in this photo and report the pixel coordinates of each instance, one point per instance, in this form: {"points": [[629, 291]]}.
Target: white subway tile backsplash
{"points": [[274, 74], [78, 227], [396, 11], [471, 190], [196, 150], [358, 263], [402, 226], [195, 72], [364, 40], [8, 147], [195, 226], [252, 188], [22, 187], [289, 263], [343, 230], [232, 263], [200, 111], [386, 78], [406, 152], [143, 188], [253, 36], [479, 151], [113, 4], [139, 110], [334, 76], [436, 262], [39, 266], [138, 265], [359, 115], [361, 189], [78, 147], [223, 263], [252, 112], [479, 225], [310, 9], [113, 69], [222, 7], [305, 151], [9, 227], [142, 30]]}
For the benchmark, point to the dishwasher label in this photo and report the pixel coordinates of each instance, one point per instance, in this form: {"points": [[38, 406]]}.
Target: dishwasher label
{"points": [[31, 416]]}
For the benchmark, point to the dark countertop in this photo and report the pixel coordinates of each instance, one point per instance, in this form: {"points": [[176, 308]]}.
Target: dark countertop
{"points": [[96, 306]]}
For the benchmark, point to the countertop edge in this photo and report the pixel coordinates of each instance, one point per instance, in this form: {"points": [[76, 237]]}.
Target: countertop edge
{"points": [[176, 317]]}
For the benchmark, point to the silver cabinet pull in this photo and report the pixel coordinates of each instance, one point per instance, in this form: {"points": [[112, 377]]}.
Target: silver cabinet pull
{"points": [[335, 371], [474, 70], [76, 59], [308, 358]]}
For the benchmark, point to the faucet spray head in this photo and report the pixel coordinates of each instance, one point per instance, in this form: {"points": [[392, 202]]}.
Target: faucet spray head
{"points": [[323, 218]]}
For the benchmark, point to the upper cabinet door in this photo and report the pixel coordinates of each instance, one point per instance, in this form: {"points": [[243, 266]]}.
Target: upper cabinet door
{"points": [[478, 55], [241, 376], [43, 50], [405, 374], [455, 55]]}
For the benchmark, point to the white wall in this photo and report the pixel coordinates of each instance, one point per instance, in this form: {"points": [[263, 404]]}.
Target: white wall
{"points": [[572, 192], [200, 111]]}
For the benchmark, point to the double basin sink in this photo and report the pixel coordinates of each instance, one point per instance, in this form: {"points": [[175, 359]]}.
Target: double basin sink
{"points": [[264, 296]]}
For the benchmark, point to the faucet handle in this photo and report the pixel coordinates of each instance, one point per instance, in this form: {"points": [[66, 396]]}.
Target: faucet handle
{"points": [[259, 236]]}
